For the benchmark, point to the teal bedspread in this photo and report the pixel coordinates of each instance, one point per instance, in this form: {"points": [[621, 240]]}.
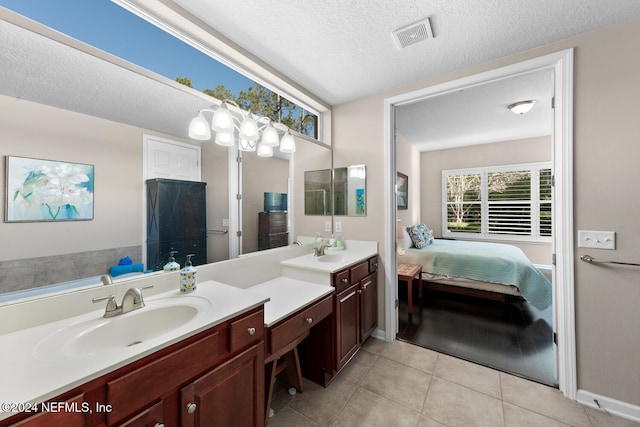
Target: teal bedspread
{"points": [[488, 262]]}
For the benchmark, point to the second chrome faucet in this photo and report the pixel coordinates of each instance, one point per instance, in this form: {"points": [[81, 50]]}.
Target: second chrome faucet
{"points": [[132, 300]]}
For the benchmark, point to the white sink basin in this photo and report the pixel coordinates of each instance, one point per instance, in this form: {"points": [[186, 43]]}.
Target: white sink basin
{"points": [[98, 335], [331, 258]]}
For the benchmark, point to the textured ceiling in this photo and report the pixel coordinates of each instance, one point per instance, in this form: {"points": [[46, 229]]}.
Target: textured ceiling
{"points": [[344, 50], [338, 50]]}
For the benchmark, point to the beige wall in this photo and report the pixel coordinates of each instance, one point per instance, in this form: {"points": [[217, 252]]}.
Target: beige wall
{"points": [[606, 173], [500, 153], [33, 130], [408, 161]]}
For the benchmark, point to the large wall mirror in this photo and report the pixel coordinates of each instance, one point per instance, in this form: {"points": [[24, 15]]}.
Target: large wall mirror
{"points": [[81, 105]]}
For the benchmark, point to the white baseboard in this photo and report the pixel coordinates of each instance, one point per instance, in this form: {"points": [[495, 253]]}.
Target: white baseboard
{"points": [[612, 406], [379, 334]]}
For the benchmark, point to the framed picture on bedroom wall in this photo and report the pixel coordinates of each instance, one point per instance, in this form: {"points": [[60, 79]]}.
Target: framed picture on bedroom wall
{"points": [[402, 189]]}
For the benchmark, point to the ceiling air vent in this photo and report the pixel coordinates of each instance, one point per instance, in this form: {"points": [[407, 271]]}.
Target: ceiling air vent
{"points": [[414, 33]]}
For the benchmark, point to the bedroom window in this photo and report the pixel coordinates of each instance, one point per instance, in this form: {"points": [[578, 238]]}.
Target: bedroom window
{"points": [[498, 203]]}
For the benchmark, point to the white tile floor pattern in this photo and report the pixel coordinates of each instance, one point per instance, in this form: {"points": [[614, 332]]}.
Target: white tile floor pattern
{"points": [[400, 384]]}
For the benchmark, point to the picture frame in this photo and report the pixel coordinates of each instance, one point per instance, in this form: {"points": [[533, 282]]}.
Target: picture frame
{"points": [[40, 190], [402, 191]]}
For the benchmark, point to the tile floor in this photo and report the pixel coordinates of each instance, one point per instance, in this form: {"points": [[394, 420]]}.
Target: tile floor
{"points": [[400, 384]]}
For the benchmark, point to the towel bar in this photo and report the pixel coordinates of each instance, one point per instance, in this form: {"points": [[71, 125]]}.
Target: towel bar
{"points": [[590, 259], [218, 231]]}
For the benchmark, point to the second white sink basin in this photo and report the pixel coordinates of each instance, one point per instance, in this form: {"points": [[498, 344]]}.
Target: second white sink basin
{"points": [[331, 258], [98, 335]]}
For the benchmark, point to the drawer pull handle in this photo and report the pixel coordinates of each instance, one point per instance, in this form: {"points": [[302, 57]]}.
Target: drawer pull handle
{"points": [[344, 280], [158, 425], [251, 331], [359, 291], [309, 320], [375, 264], [191, 408]]}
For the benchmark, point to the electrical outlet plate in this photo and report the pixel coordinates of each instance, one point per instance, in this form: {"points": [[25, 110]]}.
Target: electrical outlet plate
{"points": [[327, 226], [597, 239], [338, 227]]}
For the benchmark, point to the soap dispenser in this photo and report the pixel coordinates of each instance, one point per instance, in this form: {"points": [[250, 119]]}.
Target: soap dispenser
{"points": [[172, 265], [188, 276]]}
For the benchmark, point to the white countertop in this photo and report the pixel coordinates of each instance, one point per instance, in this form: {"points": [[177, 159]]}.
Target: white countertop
{"points": [[27, 378], [287, 295]]}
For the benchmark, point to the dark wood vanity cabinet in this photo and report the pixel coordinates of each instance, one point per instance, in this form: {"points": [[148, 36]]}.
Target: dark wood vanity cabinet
{"points": [[356, 308], [215, 378], [355, 317]]}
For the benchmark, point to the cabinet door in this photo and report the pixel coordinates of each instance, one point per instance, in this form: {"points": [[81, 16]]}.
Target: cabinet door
{"points": [[368, 306], [69, 416], [347, 324], [230, 395], [152, 417]]}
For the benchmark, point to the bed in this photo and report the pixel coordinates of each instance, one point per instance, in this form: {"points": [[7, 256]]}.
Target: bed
{"points": [[489, 270]]}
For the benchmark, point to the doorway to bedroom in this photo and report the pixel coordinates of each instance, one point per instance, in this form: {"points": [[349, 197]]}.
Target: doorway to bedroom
{"points": [[471, 129]]}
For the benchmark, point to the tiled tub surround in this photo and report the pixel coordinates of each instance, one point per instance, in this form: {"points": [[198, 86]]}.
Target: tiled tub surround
{"points": [[23, 325], [20, 274]]}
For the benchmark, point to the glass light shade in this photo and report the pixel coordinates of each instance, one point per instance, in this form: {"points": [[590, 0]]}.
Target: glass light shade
{"points": [[199, 128], [288, 144], [247, 145], [222, 120], [225, 139], [249, 129], [264, 150], [522, 107], [270, 136]]}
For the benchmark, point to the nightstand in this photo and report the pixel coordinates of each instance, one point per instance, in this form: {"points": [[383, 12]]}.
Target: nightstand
{"points": [[407, 273]]}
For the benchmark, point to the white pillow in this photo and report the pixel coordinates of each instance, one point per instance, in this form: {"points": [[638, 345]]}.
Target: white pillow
{"points": [[408, 243]]}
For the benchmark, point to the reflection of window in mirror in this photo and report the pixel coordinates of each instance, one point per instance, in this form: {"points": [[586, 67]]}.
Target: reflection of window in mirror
{"points": [[317, 192]]}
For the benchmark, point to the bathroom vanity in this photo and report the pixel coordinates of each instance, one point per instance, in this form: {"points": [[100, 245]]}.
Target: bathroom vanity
{"points": [[202, 358]]}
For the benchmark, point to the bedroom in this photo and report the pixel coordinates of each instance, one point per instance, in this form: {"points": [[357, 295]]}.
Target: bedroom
{"points": [[512, 335]]}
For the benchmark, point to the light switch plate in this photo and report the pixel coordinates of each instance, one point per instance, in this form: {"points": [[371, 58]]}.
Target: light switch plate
{"points": [[597, 239], [327, 226], [338, 227]]}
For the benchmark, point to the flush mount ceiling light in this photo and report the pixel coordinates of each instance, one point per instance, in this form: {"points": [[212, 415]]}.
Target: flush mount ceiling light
{"points": [[252, 136], [521, 107]]}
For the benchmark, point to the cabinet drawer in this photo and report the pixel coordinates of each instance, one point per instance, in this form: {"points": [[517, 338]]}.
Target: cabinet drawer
{"points": [[341, 280], [147, 384], [359, 271], [289, 329], [246, 331]]}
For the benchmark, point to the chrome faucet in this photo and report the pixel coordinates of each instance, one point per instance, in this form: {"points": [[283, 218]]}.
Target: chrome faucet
{"points": [[132, 300], [319, 251]]}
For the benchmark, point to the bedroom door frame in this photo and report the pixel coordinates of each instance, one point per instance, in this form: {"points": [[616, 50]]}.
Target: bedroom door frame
{"points": [[563, 272]]}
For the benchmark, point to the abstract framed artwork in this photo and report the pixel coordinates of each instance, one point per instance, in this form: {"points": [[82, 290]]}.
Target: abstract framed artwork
{"points": [[402, 188], [48, 190]]}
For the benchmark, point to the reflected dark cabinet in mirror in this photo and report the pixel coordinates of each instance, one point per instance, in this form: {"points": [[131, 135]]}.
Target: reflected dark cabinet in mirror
{"points": [[272, 230], [176, 221]]}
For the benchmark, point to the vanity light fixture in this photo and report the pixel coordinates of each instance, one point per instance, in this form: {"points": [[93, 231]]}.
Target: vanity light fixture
{"points": [[252, 134], [521, 107]]}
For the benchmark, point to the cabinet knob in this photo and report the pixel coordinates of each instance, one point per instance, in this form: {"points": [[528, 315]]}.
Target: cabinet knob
{"points": [[191, 408], [344, 280], [309, 320], [251, 331], [158, 425], [359, 291]]}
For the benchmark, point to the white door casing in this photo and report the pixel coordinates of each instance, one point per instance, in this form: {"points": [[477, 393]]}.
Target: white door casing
{"points": [[562, 65]]}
